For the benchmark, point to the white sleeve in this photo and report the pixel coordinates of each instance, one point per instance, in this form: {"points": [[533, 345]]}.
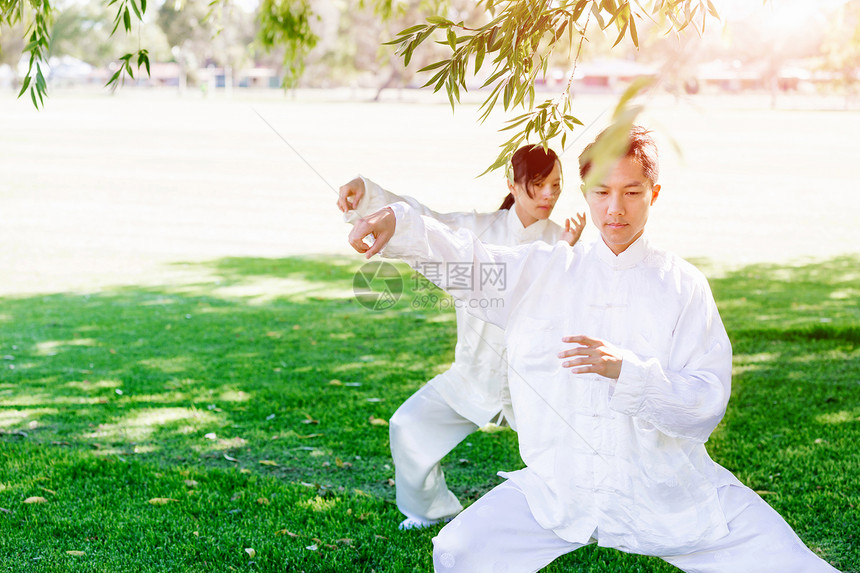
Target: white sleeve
{"points": [[424, 243], [376, 197], [688, 397]]}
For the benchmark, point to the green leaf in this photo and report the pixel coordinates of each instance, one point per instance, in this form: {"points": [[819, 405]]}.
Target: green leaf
{"points": [[412, 30], [595, 11], [143, 59], [620, 34], [577, 11], [494, 77], [560, 31], [513, 123], [479, 56], [126, 19], [114, 78], [571, 121], [433, 66], [636, 86], [541, 23], [508, 95], [442, 78], [491, 47], [633, 35], [25, 85], [438, 21], [713, 10], [611, 145], [489, 104]]}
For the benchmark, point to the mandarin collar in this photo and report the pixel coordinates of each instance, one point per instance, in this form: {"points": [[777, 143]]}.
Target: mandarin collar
{"points": [[632, 255], [530, 233]]}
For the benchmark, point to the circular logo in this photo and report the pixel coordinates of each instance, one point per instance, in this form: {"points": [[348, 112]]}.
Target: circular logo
{"points": [[377, 285]]}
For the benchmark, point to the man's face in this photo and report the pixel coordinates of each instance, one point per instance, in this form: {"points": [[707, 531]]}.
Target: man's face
{"points": [[619, 204]]}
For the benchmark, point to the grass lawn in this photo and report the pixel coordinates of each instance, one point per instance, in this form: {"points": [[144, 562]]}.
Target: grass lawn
{"points": [[236, 422]]}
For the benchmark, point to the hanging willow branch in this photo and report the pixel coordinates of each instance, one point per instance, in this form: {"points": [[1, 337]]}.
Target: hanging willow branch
{"points": [[517, 43]]}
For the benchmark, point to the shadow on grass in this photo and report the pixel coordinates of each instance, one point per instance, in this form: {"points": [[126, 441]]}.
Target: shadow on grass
{"points": [[272, 367], [214, 371]]}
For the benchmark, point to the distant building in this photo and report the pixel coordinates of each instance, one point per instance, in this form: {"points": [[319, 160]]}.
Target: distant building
{"points": [[609, 75], [731, 76], [603, 75]]}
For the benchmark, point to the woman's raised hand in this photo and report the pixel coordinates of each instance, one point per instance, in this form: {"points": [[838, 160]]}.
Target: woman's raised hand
{"points": [[350, 195], [379, 225], [573, 229]]}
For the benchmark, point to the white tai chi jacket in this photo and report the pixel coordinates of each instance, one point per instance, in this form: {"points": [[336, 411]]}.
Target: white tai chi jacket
{"points": [[620, 461], [475, 385]]}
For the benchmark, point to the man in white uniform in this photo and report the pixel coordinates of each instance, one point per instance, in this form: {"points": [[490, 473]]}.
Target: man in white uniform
{"points": [[620, 369], [474, 391]]}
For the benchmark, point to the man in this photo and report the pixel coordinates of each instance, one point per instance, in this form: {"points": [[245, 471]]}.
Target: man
{"points": [[612, 428]]}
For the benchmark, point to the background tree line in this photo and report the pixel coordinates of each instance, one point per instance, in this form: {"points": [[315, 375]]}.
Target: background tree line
{"points": [[345, 40], [507, 47]]}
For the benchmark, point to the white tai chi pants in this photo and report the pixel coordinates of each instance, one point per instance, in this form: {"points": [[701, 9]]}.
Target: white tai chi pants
{"points": [[499, 534], [422, 431]]}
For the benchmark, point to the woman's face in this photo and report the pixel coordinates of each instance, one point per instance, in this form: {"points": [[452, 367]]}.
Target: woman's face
{"points": [[543, 197]]}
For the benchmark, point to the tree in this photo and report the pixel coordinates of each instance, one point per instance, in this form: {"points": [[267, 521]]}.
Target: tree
{"points": [[36, 18], [516, 39], [841, 48], [354, 43], [11, 44], [199, 35], [83, 30], [284, 23], [517, 43]]}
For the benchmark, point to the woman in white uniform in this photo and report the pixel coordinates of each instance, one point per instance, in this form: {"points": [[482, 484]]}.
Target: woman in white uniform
{"points": [[473, 392]]}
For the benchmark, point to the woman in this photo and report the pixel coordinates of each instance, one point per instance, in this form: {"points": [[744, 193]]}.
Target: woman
{"points": [[473, 391]]}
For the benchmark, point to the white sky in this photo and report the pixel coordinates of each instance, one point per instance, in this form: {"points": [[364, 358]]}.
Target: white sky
{"points": [[787, 13]]}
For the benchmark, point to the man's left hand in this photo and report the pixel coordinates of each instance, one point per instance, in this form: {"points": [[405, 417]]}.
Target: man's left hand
{"points": [[591, 356]]}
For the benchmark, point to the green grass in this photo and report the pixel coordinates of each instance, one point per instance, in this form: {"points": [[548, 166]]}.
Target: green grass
{"points": [[111, 399]]}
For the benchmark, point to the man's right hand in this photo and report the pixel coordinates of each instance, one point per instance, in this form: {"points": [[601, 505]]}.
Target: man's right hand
{"points": [[350, 195], [379, 225]]}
